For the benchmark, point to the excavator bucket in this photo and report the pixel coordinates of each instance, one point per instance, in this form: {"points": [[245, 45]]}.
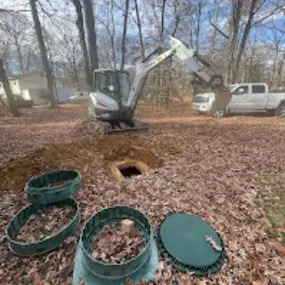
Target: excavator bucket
{"points": [[205, 74], [196, 65], [222, 99]]}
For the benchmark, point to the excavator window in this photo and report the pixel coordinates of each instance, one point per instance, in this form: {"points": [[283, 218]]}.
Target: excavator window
{"points": [[113, 83], [105, 82]]}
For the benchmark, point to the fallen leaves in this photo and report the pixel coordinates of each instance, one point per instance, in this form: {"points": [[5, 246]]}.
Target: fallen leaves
{"points": [[114, 244], [280, 249], [46, 222], [218, 173]]}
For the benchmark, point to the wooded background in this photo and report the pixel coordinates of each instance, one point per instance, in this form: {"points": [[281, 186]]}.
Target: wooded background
{"points": [[243, 39]]}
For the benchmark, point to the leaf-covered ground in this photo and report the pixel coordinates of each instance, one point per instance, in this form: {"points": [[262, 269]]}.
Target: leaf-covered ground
{"points": [[230, 171]]}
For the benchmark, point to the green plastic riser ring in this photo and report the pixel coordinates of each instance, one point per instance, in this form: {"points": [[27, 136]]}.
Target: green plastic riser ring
{"points": [[93, 226], [38, 194], [47, 244]]}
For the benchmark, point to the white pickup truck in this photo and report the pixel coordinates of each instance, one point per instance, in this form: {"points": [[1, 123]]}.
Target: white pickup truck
{"points": [[246, 98]]}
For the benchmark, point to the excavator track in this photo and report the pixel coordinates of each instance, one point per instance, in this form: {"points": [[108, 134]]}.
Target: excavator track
{"points": [[130, 129], [106, 128]]}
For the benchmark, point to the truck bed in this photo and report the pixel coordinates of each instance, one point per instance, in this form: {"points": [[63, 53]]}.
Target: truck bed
{"points": [[274, 100]]}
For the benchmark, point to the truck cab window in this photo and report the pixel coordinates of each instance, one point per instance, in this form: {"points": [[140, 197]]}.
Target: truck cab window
{"points": [[241, 90], [258, 89]]}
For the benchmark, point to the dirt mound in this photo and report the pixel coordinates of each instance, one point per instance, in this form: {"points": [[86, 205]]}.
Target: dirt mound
{"points": [[16, 173], [88, 129], [19, 170]]}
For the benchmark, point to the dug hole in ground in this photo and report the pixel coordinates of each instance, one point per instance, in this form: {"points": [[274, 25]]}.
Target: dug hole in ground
{"points": [[229, 171]]}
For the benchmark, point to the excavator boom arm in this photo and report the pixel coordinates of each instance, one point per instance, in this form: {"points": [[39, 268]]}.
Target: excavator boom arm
{"points": [[194, 64]]}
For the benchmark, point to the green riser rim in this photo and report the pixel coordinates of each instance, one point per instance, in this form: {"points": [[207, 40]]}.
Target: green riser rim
{"points": [[111, 271], [46, 245], [41, 196]]}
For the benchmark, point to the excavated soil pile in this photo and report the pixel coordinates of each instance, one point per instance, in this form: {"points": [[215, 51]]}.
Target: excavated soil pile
{"points": [[80, 156], [88, 129], [115, 245], [16, 173], [47, 223]]}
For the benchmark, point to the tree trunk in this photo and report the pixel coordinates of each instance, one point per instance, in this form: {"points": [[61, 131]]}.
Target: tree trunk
{"points": [[124, 34], [198, 26], [91, 32], [162, 21], [214, 35], [19, 53], [244, 38], [10, 97], [279, 70], [249, 79], [112, 36], [75, 73], [38, 29], [273, 75], [234, 22], [80, 27], [139, 29]]}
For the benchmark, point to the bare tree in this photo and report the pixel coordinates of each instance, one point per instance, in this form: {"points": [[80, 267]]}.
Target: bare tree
{"points": [[126, 13], [49, 77], [244, 38], [234, 22], [91, 32], [113, 34], [138, 22], [80, 27], [10, 97], [162, 20], [198, 27]]}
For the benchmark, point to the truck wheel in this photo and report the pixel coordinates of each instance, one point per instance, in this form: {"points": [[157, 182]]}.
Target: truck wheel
{"points": [[219, 114], [280, 111]]}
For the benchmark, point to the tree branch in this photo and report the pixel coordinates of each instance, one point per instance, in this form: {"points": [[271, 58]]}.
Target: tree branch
{"points": [[276, 10], [13, 11], [217, 28]]}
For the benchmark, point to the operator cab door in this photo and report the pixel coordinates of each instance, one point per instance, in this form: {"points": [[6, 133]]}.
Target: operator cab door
{"points": [[112, 84], [240, 99]]}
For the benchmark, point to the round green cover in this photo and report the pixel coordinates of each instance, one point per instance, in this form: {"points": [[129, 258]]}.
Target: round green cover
{"points": [[39, 193], [182, 239]]}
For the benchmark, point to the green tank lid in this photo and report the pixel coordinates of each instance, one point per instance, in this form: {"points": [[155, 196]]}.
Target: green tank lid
{"points": [[191, 244]]}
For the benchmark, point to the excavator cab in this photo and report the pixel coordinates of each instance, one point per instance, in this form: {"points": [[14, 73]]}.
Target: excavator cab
{"points": [[108, 100], [113, 83]]}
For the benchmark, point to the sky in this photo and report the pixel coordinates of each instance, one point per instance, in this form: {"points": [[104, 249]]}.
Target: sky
{"points": [[62, 21]]}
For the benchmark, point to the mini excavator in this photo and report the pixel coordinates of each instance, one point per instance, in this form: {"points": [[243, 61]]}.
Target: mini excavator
{"points": [[115, 95]]}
